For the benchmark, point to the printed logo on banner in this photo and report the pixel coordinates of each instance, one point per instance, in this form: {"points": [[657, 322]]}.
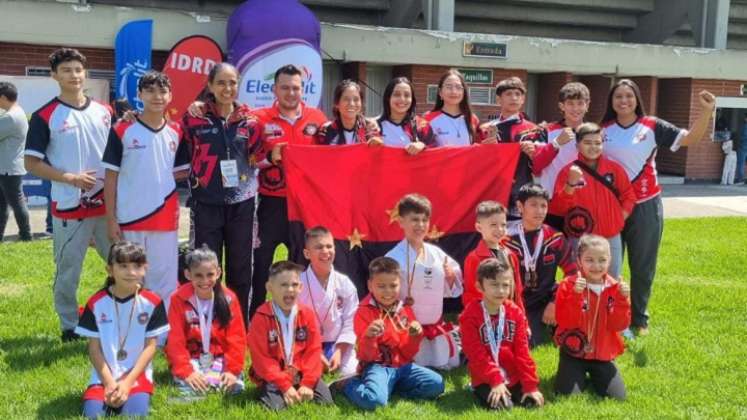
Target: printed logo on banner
{"points": [[257, 78]]}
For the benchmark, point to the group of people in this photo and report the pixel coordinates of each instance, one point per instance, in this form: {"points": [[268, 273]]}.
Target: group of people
{"points": [[582, 194]]}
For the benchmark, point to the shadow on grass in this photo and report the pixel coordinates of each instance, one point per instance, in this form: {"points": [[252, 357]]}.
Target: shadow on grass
{"points": [[637, 349], [65, 406], [25, 353]]}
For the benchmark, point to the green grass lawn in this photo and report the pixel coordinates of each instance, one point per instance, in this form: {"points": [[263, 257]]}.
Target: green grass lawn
{"points": [[692, 365]]}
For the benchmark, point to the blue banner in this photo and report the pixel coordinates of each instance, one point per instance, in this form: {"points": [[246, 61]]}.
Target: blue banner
{"points": [[132, 58]]}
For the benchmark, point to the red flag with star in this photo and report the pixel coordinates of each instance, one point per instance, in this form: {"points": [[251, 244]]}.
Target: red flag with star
{"points": [[353, 191]]}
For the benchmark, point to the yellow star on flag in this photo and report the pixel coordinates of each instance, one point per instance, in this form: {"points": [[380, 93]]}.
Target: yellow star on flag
{"points": [[356, 239], [435, 234], [393, 214]]}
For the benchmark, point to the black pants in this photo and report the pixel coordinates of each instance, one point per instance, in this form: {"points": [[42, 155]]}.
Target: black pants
{"points": [[272, 216], [482, 392], [641, 237], [11, 194], [604, 376], [272, 398], [229, 226], [541, 332]]}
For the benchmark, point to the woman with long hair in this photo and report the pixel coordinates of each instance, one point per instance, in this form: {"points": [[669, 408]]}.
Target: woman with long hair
{"points": [[349, 125], [398, 124], [632, 139], [450, 116]]}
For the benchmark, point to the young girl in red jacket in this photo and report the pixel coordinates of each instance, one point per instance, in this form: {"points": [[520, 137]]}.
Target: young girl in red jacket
{"points": [[494, 338], [207, 339], [592, 309]]}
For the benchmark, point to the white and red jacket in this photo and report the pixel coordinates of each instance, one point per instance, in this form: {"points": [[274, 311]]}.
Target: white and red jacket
{"points": [[452, 130], [574, 313], [550, 158], [635, 147], [473, 260], [596, 207], [185, 339], [515, 364]]}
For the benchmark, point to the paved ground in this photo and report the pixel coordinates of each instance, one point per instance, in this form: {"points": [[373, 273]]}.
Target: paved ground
{"points": [[686, 200]]}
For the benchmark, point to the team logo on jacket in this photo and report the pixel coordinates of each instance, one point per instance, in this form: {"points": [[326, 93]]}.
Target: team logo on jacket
{"points": [[273, 131], [302, 333], [610, 177], [272, 337], [310, 129], [104, 319], [172, 146], [272, 178], [107, 120], [578, 221], [143, 318], [610, 302], [135, 145], [339, 302]]}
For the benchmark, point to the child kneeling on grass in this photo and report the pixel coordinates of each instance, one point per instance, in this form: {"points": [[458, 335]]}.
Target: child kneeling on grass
{"points": [[122, 322], [592, 309], [207, 339], [388, 339], [494, 335], [285, 344]]}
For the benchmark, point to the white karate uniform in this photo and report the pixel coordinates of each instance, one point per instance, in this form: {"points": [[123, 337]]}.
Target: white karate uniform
{"points": [[429, 288], [335, 309]]}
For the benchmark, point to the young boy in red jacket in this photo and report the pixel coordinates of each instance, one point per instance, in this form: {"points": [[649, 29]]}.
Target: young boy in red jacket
{"points": [[494, 334], [285, 344], [592, 309], [594, 194], [491, 224], [388, 339]]}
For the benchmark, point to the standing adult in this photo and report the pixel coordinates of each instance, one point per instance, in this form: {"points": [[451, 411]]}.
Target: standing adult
{"points": [[288, 121], [13, 129], [450, 115], [632, 139], [349, 125], [398, 123], [224, 179], [70, 132]]}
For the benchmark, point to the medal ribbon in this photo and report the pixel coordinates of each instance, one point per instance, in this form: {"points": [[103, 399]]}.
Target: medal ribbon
{"points": [[530, 260], [121, 340], [494, 339], [206, 325], [287, 348]]}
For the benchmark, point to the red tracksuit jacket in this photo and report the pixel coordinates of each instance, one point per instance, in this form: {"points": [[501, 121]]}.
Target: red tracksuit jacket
{"points": [[514, 357], [276, 129], [474, 258], [265, 346], [575, 311], [185, 339], [594, 208], [395, 347]]}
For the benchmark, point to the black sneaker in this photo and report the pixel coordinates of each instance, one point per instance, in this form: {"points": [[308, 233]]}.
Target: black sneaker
{"points": [[336, 386], [69, 335]]}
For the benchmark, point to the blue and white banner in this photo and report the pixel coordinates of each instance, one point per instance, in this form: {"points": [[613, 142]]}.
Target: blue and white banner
{"points": [[132, 58]]}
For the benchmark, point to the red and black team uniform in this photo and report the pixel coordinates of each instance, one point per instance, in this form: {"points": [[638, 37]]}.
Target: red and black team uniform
{"points": [[451, 130], [283, 357], [386, 361], [333, 133], [146, 159], [272, 212], [184, 344], [473, 260], [516, 129], [549, 160], [223, 204], [597, 206], [589, 336], [635, 147], [405, 132], [540, 254], [72, 139], [514, 365]]}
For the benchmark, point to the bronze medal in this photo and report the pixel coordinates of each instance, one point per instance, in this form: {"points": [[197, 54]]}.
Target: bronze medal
{"points": [[533, 280], [121, 355], [409, 301]]}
